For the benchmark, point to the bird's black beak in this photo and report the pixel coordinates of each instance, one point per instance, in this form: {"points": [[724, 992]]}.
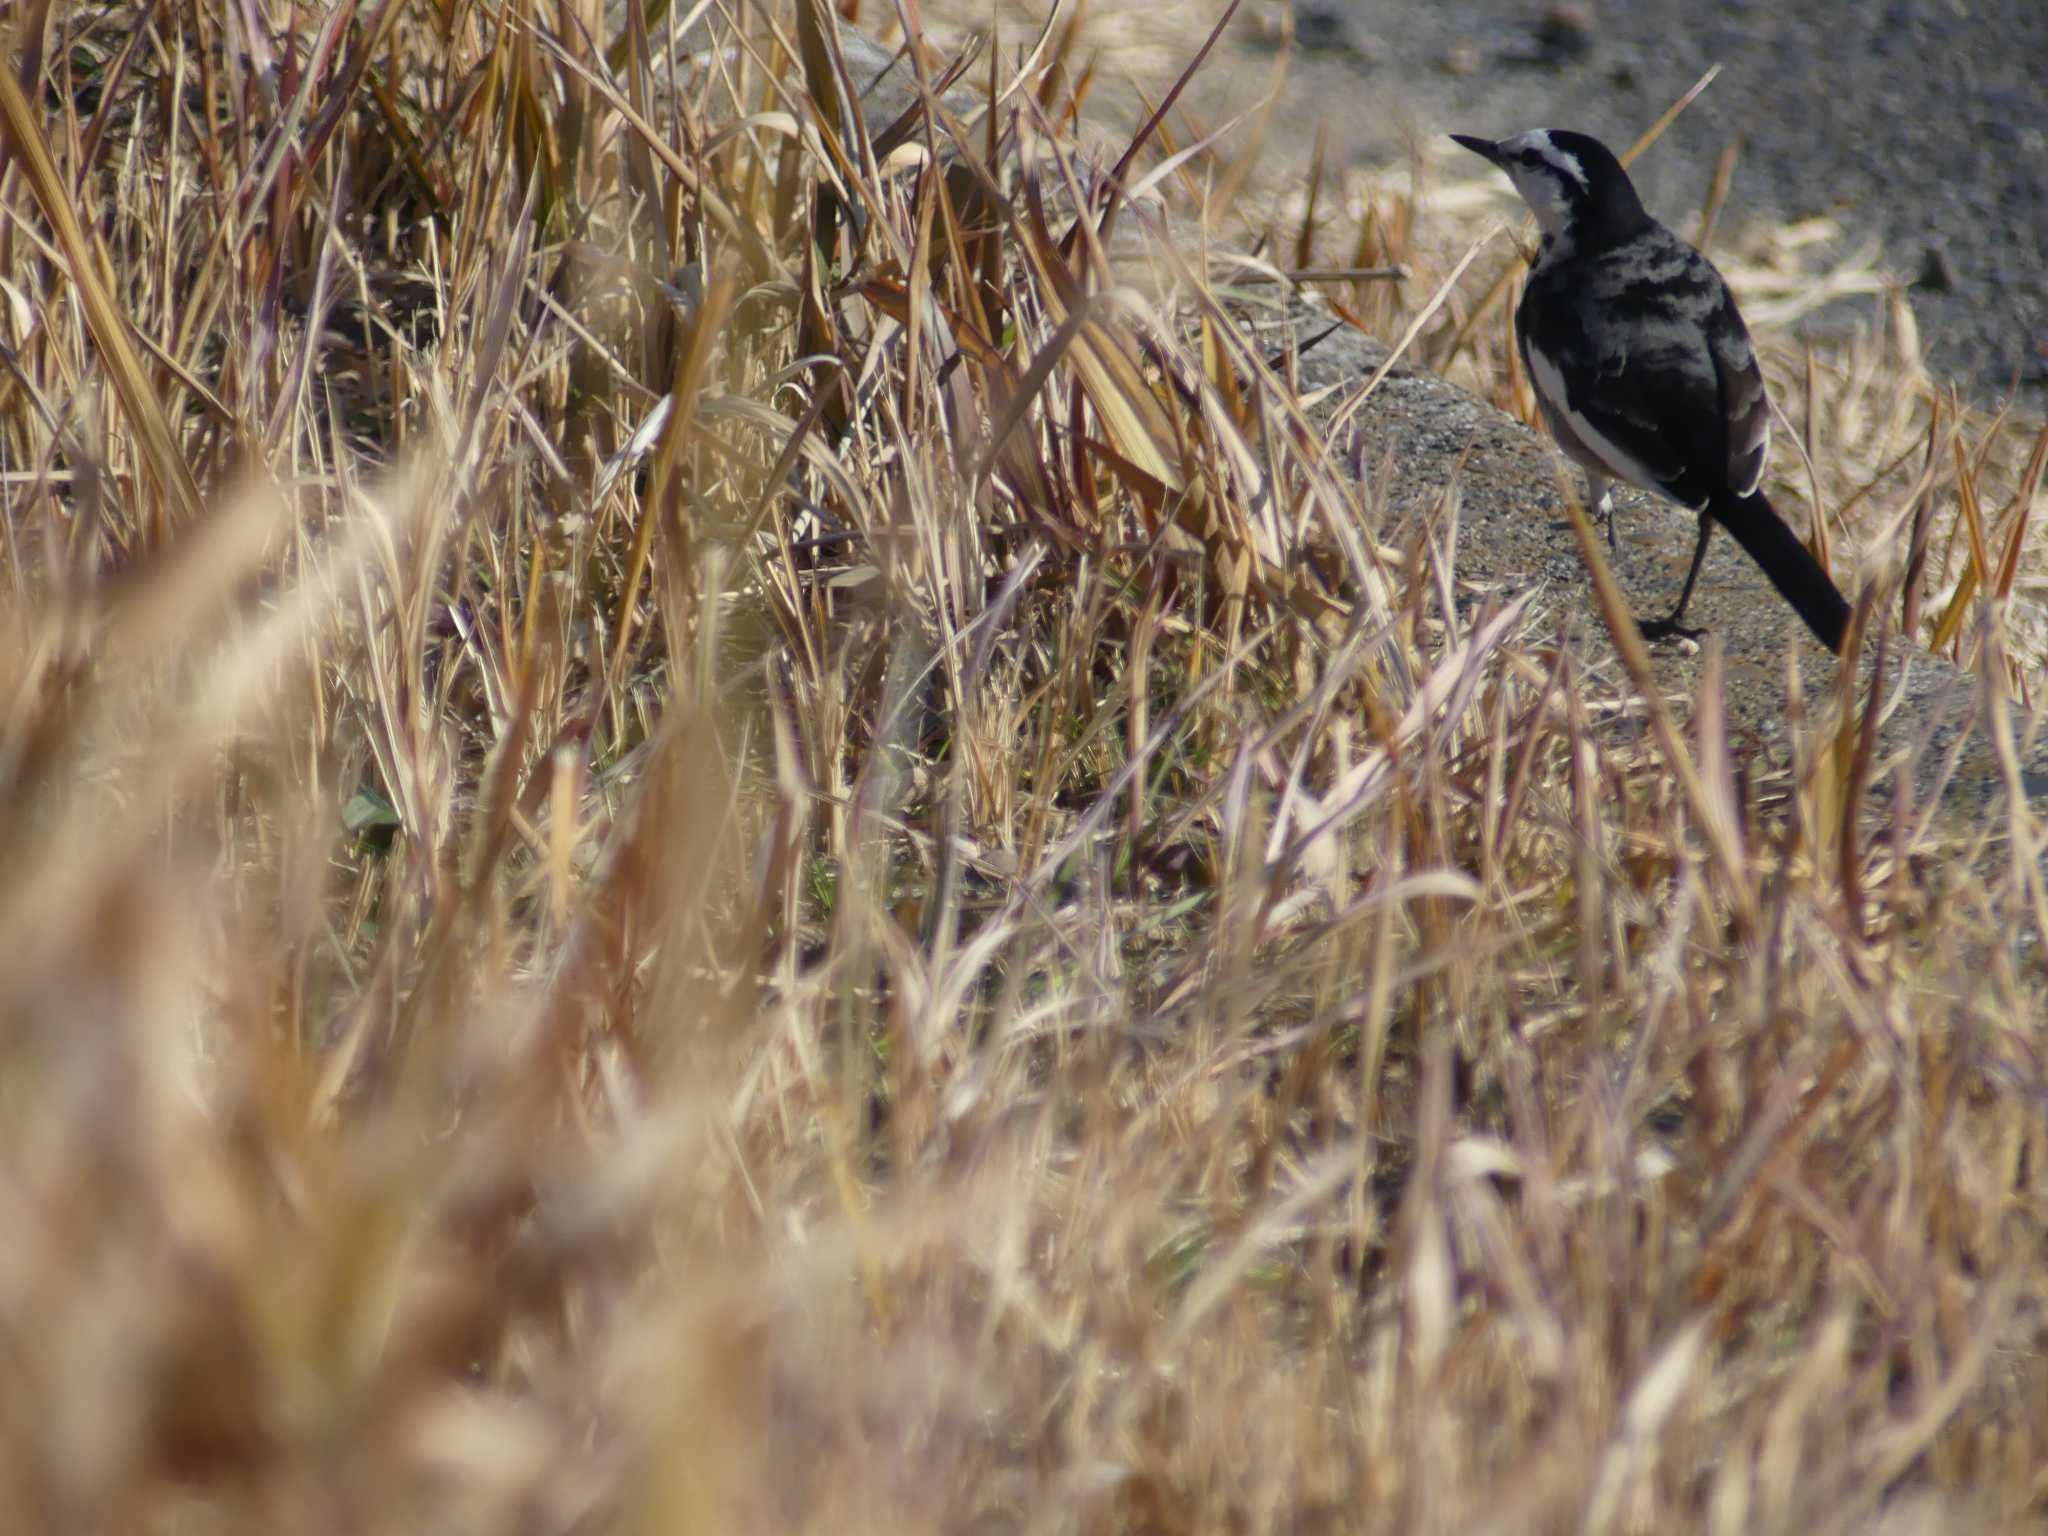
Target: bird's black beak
{"points": [[1486, 149]]}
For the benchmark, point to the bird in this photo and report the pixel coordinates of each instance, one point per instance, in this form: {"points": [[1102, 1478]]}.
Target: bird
{"points": [[1644, 369]]}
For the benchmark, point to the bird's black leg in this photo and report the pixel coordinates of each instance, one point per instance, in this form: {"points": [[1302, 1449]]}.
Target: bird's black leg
{"points": [[1664, 629]]}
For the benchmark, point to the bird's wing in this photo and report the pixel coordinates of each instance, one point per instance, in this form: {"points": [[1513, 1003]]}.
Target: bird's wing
{"points": [[1744, 405], [1641, 385]]}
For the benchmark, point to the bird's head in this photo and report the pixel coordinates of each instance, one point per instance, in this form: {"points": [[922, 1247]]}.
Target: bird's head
{"points": [[1571, 181]]}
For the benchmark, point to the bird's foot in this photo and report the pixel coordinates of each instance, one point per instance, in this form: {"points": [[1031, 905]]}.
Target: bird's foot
{"points": [[1668, 629]]}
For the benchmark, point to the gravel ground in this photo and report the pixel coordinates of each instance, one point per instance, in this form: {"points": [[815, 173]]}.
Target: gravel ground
{"points": [[1922, 122]]}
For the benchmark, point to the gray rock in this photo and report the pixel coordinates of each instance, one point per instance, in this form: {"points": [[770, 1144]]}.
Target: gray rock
{"points": [[1513, 535]]}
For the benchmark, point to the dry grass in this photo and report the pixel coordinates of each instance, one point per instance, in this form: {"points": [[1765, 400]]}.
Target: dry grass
{"points": [[970, 944]]}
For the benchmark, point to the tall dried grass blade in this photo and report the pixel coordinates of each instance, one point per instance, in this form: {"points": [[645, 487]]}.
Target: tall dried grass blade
{"points": [[1717, 190], [1669, 116], [692, 362], [109, 326], [1952, 617], [2019, 515], [1915, 579]]}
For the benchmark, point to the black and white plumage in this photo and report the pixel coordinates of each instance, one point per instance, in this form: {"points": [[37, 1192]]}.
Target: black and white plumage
{"points": [[1644, 368]]}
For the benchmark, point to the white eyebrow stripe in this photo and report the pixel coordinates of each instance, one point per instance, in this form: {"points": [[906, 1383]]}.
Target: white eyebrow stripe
{"points": [[1539, 139]]}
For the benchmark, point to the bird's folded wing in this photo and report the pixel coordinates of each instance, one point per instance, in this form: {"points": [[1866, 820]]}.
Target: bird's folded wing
{"points": [[1639, 428], [1744, 406], [1640, 375]]}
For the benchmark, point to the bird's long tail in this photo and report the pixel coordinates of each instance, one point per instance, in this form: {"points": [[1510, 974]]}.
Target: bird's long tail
{"points": [[1799, 577]]}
